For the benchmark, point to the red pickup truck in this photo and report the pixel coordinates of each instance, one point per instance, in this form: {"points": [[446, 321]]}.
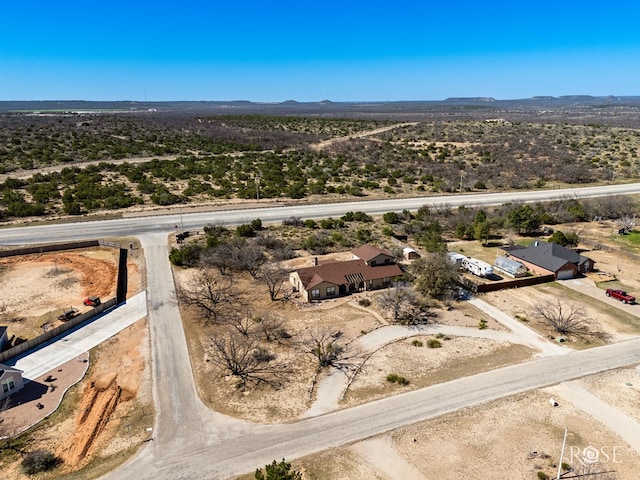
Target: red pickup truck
{"points": [[621, 295]]}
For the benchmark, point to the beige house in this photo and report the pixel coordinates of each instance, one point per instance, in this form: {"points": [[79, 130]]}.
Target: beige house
{"points": [[371, 268], [10, 380]]}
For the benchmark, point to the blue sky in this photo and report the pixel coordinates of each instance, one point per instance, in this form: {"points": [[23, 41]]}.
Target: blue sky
{"points": [[311, 51]]}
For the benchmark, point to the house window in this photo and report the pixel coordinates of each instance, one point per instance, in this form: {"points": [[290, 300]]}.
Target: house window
{"points": [[315, 293], [331, 291], [8, 385], [386, 281], [373, 263]]}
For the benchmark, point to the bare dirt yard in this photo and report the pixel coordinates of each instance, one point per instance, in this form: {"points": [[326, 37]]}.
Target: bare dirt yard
{"points": [[105, 417], [515, 437], [35, 289], [420, 365]]}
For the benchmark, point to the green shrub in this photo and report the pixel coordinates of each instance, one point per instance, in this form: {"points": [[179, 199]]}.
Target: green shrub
{"points": [[39, 461], [186, 255], [393, 378], [416, 343], [365, 302], [278, 471], [543, 476], [433, 343], [391, 217], [387, 231], [245, 230], [482, 324]]}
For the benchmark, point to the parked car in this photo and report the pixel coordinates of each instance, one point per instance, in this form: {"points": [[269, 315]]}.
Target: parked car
{"points": [[620, 295], [91, 301]]}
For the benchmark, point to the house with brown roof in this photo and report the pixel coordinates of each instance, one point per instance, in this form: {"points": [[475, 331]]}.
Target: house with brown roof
{"points": [[370, 268], [544, 258], [10, 380]]}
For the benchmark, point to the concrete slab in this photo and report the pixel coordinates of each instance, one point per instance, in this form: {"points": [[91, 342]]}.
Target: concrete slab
{"points": [[82, 339]]}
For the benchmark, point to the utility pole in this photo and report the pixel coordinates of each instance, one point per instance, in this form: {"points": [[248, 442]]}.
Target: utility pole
{"points": [[257, 188], [562, 453], [461, 181], [181, 223]]}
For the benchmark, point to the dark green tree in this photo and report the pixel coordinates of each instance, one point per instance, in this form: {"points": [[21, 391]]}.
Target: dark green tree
{"points": [[482, 231], [559, 238], [431, 238], [436, 276], [278, 471], [524, 219], [391, 217]]}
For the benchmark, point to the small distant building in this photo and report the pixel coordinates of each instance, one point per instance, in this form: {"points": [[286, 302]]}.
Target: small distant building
{"points": [[409, 253], [510, 267], [10, 381]]}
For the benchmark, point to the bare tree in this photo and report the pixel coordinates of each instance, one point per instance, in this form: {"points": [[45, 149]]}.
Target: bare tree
{"points": [[244, 357], [403, 305], [329, 349], [242, 322], [220, 257], [273, 276], [211, 294], [613, 206], [627, 222], [248, 256], [566, 319], [272, 327]]}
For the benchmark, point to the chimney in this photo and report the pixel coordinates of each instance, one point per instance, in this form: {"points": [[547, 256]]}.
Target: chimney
{"points": [[315, 261]]}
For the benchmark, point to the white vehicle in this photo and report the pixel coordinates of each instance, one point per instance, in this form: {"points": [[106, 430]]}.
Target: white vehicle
{"points": [[477, 267]]}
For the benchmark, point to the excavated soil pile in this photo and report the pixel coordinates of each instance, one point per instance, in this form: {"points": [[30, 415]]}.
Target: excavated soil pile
{"points": [[99, 401]]}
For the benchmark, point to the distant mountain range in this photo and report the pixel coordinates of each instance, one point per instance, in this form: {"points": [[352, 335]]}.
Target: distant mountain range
{"points": [[534, 104]]}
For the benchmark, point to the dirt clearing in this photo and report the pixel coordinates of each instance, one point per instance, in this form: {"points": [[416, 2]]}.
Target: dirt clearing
{"points": [[105, 417], [36, 288]]}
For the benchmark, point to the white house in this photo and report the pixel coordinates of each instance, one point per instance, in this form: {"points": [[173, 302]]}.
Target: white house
{"points": [[10, 380]]}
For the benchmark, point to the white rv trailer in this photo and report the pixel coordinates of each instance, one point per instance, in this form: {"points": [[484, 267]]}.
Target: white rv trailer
{"points": [[477, 267]]}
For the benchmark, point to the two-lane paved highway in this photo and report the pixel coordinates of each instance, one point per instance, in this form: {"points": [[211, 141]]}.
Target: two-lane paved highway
{"points": [[192, 221]]}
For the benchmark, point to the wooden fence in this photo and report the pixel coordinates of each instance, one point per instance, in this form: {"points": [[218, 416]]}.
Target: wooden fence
{"points": [[56, 247], [54, 332], [121, 291], [515, 283], [618, 251]]}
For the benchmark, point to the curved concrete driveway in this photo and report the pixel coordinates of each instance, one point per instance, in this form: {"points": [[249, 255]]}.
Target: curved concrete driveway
{"points": [[332, 386]]}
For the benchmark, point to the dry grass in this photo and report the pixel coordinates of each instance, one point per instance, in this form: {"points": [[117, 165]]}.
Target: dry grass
{"points": [[422, 366]]}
